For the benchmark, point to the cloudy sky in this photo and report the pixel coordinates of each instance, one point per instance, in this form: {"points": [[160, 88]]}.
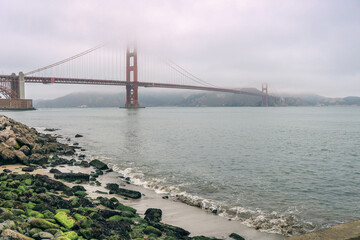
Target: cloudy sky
{"points": [[302, 46]]}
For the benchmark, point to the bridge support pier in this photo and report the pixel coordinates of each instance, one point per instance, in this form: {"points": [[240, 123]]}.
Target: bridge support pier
{"points": [[132, 100], [21, 85]]}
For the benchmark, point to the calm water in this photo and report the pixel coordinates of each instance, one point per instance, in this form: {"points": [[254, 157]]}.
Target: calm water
{"points": [[278, 169]]}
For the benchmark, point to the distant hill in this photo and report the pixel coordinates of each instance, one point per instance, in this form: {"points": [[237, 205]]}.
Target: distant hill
{"points": [[211, 99]]}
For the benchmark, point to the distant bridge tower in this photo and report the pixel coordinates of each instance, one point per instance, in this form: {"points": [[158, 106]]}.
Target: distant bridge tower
{"points": [[132, 100], [265, 96]]}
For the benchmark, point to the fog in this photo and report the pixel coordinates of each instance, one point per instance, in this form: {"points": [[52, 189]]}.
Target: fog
{"points": [[305, 46]]}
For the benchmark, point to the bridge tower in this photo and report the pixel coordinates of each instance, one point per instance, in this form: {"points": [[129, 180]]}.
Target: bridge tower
{"points": [[265, 96], [132, 100]]}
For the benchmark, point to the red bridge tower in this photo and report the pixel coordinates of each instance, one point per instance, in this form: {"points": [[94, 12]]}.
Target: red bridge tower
{"points": [[132, 100]]}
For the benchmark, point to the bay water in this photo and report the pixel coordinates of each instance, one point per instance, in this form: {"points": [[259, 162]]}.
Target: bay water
{"points": [[285, 170]]}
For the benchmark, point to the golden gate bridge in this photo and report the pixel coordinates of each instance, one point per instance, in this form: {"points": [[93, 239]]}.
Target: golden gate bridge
{"points": [[112, 66]]}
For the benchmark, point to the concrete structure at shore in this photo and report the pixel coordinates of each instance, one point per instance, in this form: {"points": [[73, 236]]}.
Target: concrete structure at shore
{"points": [[16, 104], [15, 95]]}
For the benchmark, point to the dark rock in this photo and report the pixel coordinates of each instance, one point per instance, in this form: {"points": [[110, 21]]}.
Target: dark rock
{"points": [[236, 236], [73, 176], [109, 170], [7, 170], [113, 187], [43, 235], [51, 129], [7, 156], [26, 150], [84, 164], [54, 170], [153, 214], [38, 159], [82, 157], [23, 141], [78, 188], [99, 164], [177, 231], [108, 213], [51, 184], [78, 135], [21, 157], [76, 144], [28, 169], [165, 197]]}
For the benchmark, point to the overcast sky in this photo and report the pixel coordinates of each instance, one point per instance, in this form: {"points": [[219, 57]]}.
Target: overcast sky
{"points": [[303, 46]]}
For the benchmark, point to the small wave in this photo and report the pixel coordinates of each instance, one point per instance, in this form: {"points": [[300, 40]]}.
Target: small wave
{"points": [[284, 224]]}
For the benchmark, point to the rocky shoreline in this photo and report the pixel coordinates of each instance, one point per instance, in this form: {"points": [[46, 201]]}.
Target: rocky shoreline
{"points": [[36, 206]]}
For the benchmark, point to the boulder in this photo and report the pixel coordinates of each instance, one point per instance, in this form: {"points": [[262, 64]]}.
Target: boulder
{"points": [[78, 135], [11, 234], [28, 169], [26, 150], [73, 176], [24, 141], [39, 159], [22, 158], [7, 224], [43, 235], [114, 188], [54, 170], [42, 223], [85, 164], [99, 164], [67, 221], [51, 184], [12, 143], [7, 156], [236, 236], [153, 214]]}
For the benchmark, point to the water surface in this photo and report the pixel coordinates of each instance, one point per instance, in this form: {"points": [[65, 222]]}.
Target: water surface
{"points": [[278, 169]]}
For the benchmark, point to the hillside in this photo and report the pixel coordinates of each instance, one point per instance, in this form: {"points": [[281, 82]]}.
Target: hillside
{"points": [[211, 99]]}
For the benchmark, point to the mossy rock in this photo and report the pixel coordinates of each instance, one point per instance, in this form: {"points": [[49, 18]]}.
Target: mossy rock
{"points": [[22, 188], [149, 229], [42, 223], [86, 233], [29, 205], [54, 231], [125, 208], [118, 218], [153, 236], [137, 232], [18, 212], [236, 236], [201, 238], [34, 231], [81, 194], [63, 210], [7, 204], [10, 196], [35, 214], [85, 222], [48, 214], [71, 235], [62, 238], [127, 214], [65, 220], [28, 181]]}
